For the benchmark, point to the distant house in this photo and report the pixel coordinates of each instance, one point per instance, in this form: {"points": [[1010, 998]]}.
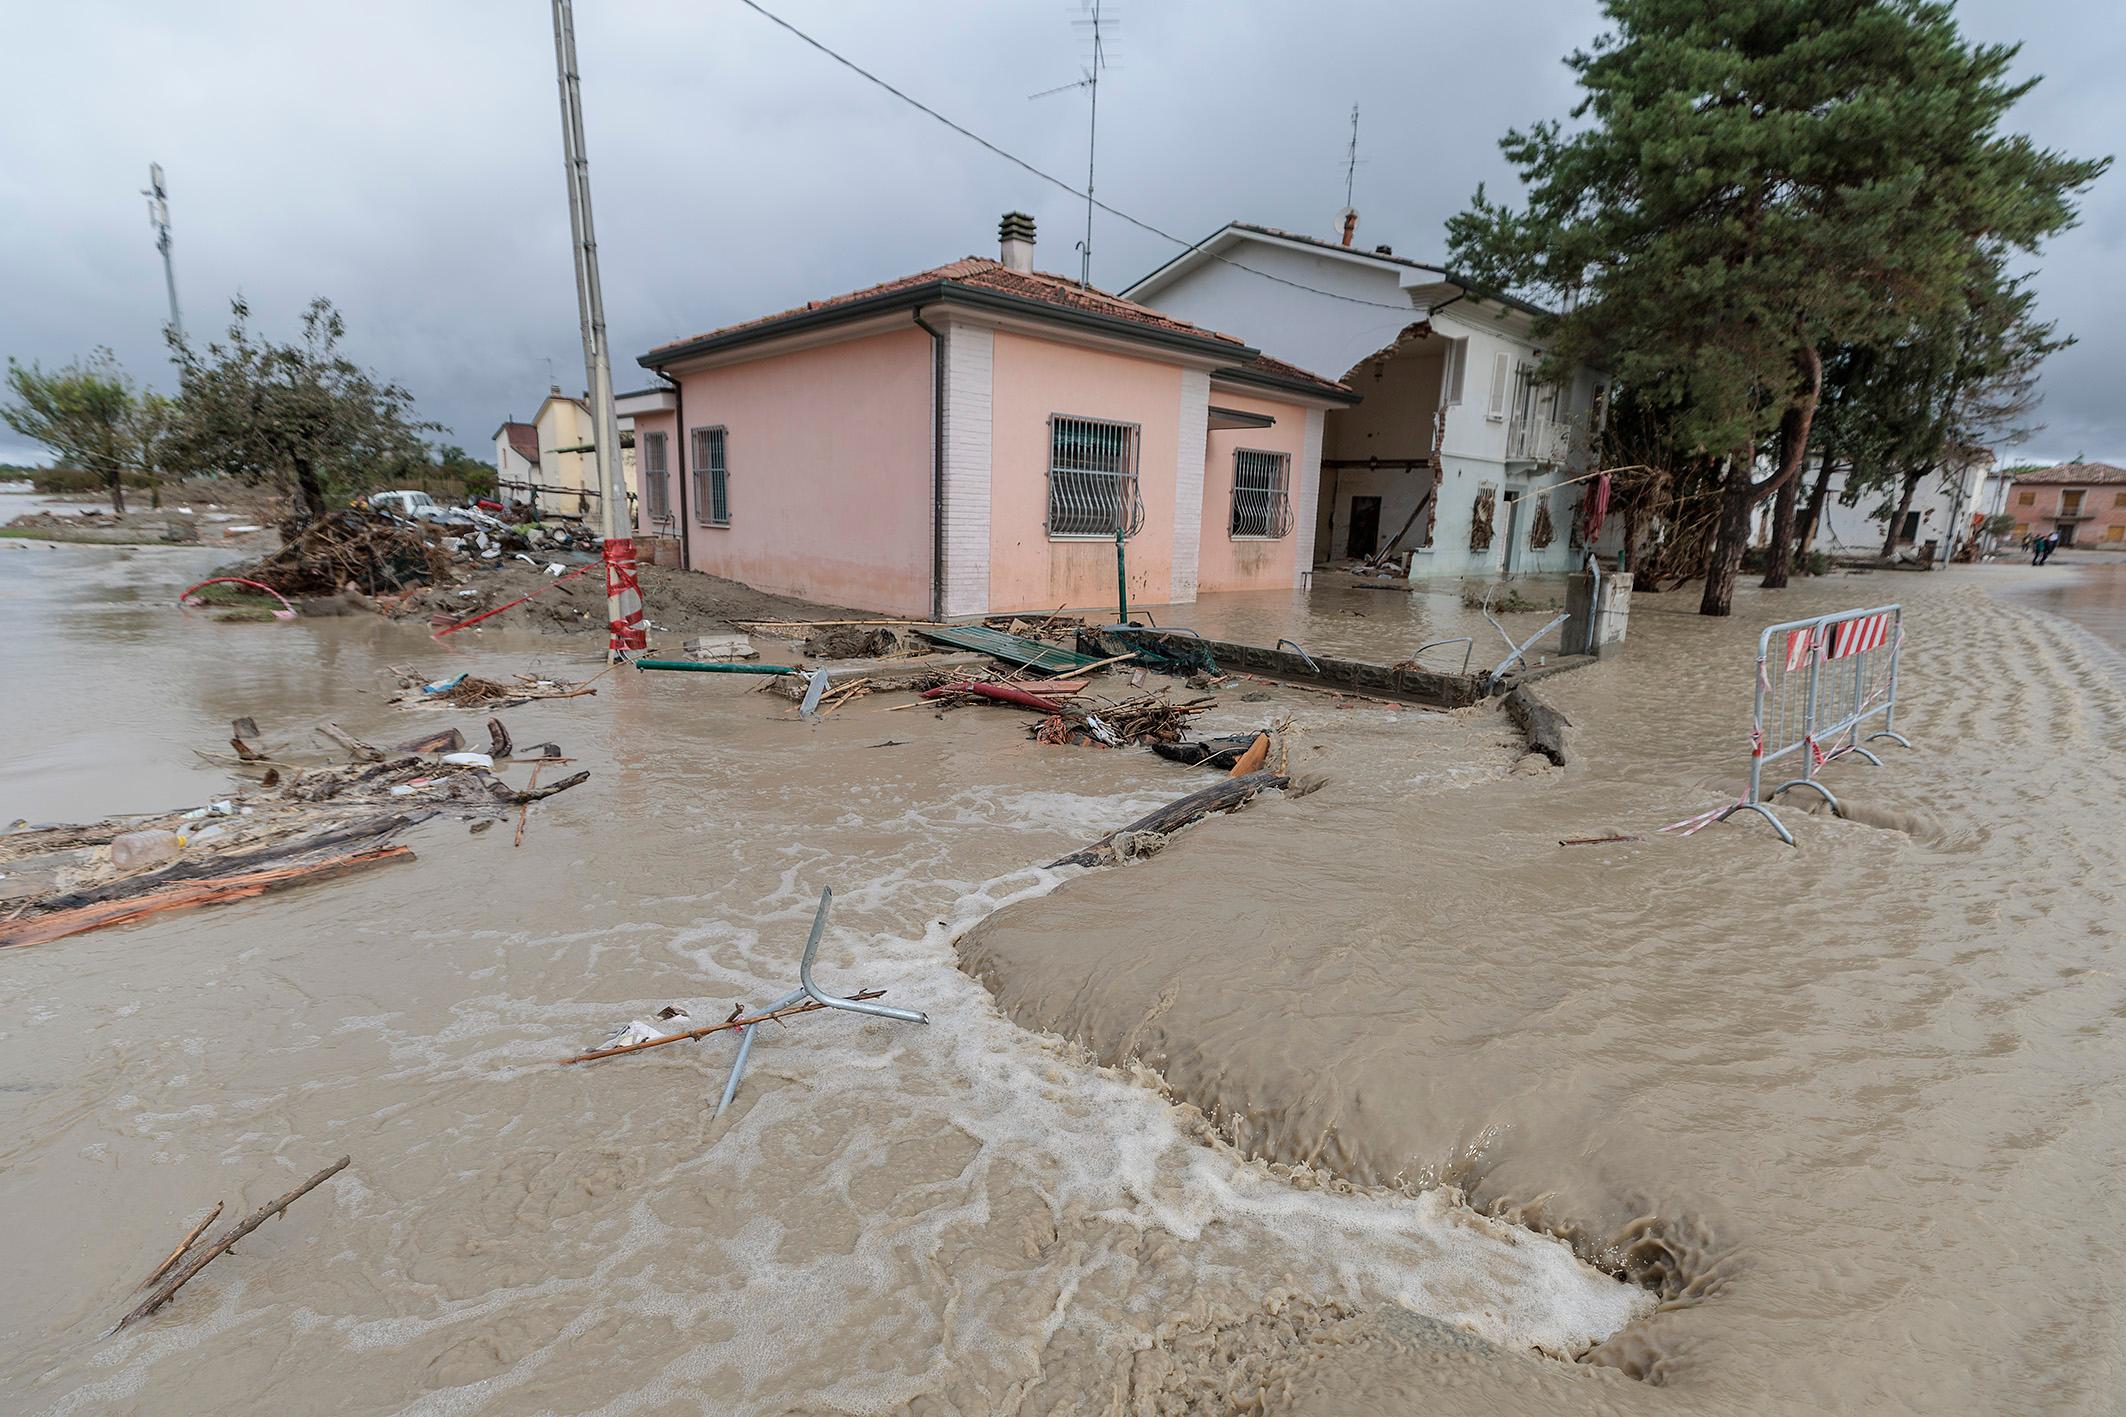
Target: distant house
{"points": [[970, 439], [547, 463], [2085, 502], [1948, 506], [517, 461], [1457, 440]]}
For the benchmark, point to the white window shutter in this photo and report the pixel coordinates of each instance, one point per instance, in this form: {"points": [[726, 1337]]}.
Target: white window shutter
{"points": [[1501, 371]]}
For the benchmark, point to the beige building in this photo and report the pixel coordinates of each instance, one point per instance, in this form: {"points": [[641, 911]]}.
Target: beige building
{"points": [[547, 464]]}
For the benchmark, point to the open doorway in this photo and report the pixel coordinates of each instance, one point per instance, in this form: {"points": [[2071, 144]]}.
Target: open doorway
{"points": [[1363, 538]]}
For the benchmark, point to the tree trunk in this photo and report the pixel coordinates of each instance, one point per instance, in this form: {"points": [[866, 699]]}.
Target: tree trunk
{"points": [[117, 492], [1779, 555], [1904, 506], [309, 492], [1813, 518], [1737, 496]]}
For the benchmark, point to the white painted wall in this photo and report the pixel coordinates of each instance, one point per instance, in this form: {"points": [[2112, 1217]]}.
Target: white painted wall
{"points": [[1335, 337]]}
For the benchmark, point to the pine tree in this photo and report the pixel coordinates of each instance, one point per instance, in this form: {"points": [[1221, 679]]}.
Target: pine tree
{"points": [[1751, 182]]}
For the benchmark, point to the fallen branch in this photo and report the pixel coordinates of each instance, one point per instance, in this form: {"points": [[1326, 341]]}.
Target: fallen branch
{"points": [[1598, 840], [1543, 726], [1227, 796], [524, 811], [534, 794], [58, 924], [182, 1245], [735, 1021], [228, 1240]]}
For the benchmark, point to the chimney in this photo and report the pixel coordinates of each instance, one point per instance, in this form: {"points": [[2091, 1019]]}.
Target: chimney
{"points": [[1350, 224], [1015, 241]]}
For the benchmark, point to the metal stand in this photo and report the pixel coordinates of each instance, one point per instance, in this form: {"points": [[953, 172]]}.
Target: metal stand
{"points": [[807, 989]]}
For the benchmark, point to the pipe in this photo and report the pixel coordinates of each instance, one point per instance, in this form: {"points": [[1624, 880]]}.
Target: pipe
{"points": [[1121, 581], [937, 464], [679, 468], [706, 667], [745, 1048], [861, 1006]]}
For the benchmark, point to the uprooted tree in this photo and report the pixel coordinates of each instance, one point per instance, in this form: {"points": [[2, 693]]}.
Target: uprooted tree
{"points": [[91, 417], [299, 412], [1757, 182]]}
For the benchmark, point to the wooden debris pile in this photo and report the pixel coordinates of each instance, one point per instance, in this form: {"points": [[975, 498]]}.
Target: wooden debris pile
{"points": [[1146, 719], [295, 820], [354, 547], [469, 691]]}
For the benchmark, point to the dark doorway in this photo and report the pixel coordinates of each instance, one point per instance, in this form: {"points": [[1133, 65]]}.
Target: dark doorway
{"points": [[1365, 527], [1909, 532]]}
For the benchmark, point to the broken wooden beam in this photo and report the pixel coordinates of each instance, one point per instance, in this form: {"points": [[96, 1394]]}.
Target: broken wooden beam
{"points": [[1226, 796], [1543, 726], [1406, 682]]}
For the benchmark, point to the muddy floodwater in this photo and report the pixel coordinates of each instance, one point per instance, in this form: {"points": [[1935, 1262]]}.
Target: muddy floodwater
{"points": [[1374, 1100]]}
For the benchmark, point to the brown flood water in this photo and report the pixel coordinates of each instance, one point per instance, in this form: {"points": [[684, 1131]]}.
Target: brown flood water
{"points": [[1855, 1105]]}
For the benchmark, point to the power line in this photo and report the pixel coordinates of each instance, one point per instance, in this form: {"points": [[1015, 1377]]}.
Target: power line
{"points": [[1054, 181]]}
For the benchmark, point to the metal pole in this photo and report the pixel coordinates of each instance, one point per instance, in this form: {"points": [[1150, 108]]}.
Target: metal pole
{"points": [[1121, 583]]}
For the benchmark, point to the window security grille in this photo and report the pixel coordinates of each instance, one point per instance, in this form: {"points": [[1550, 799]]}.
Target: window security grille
{"points": [[712, 480], [1262, 503], [1092, 478]]}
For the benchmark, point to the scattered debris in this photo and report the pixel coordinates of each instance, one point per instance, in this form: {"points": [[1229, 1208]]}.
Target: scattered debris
{"points": [[1227, 796], [1218, 753], [1149, 718], [353, 547], [1012, 649], [182, 1245], [724, 647], [225, 1242], [1599, 840], [308, 823], [469, 691]]}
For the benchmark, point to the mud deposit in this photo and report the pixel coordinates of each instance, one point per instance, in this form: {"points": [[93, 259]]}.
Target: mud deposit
{"points": [[1847, 1113]]}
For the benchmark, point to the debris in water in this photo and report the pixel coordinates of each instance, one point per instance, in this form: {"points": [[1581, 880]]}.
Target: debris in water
{"points": [[1227, 796], [226, 1241]]}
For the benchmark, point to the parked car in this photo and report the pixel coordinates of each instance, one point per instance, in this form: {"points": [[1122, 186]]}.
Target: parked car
{"points": [[416, 506]]}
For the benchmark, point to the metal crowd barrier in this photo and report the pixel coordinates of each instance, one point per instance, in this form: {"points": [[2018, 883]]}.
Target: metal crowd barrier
{"points": [[1819, 683]]}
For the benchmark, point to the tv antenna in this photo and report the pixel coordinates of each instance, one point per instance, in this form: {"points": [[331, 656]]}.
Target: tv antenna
{"points": [[1351, 158], [1094, 22]]}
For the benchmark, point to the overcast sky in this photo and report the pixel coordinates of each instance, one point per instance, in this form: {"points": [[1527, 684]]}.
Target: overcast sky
{"points": [[404, 160]]}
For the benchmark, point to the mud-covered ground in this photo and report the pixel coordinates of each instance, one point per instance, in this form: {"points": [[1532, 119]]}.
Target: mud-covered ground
{"points": [[1861, 1095]]}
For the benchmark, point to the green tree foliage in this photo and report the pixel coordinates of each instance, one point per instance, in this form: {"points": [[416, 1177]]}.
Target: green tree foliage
{"points": [[476, 475], [1750, 183], [88, 415], [300, 412]]}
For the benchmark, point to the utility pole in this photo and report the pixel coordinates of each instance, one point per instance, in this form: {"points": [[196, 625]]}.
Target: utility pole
{"points": [[623, 597], [159, 218]]}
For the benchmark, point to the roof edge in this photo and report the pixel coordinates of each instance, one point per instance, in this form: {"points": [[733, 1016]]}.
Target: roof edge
{"points": [[1322, 390], [955, 292]]}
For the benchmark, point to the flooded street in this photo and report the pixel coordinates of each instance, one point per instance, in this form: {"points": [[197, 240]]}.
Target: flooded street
{"points": [[1847, 1113]]}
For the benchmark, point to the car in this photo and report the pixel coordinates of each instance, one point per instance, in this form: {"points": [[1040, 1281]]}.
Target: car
{"points": [[417, 506]]}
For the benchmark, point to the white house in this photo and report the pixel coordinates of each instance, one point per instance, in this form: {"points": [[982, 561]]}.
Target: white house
{"points": [[1946, 509], [1453, 431]]}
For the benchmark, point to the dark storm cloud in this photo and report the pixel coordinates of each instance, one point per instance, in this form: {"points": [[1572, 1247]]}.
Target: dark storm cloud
{"points": [[404, 161]]}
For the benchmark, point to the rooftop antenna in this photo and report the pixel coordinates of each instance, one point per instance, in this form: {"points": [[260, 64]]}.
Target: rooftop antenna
{"points": [[1096, 22], [159, 218], [1350, 213]]}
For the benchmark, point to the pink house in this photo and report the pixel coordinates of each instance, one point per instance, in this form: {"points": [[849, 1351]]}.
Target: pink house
{"points": [[968, 439]]}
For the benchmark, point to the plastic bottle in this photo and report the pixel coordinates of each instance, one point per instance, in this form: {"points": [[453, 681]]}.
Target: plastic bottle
{"points": [[140, 851]]}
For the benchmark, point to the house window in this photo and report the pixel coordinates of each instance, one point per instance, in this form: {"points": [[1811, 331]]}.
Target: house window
{"points": [[1454, 357], [712, 480], [1262, 504], [2026, 499], [656, 485], [2118, 499], [1092, 478]]}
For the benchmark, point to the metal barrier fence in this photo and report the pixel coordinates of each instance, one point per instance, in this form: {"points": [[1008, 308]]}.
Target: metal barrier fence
{"points": [[1819, 683]]}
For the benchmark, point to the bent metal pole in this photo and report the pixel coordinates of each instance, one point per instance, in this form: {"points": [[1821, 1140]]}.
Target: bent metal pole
{"points": [[623, 597]]}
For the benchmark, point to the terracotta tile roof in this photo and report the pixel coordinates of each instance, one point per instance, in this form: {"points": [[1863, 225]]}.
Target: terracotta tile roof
{"points": [[2073, 474], [523, 439], [979, 273]]}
